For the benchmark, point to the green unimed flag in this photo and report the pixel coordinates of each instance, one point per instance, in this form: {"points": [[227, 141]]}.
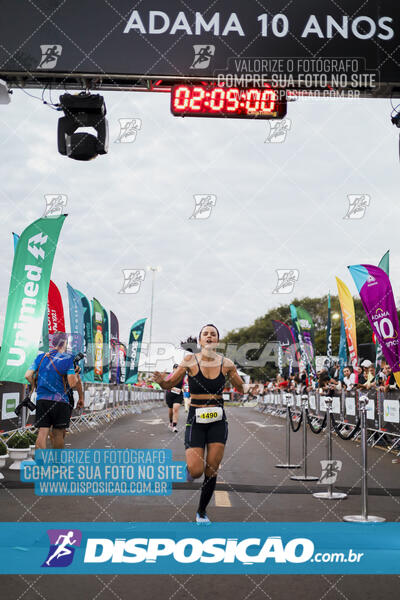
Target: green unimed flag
{"points": [[27, 297], [135, 344]]}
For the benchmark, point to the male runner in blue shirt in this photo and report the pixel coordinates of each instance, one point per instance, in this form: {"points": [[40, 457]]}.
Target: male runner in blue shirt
{"points": [[55, 375]]}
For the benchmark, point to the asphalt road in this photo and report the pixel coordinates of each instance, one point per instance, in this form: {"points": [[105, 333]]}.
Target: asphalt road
{"points": [[249, 488]]}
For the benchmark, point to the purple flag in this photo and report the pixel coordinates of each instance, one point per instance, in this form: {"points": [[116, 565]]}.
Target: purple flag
{"points": [[377, 298]]}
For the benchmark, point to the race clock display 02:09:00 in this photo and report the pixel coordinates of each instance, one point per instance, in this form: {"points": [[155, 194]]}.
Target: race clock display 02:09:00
{"points": [[203, 101]]}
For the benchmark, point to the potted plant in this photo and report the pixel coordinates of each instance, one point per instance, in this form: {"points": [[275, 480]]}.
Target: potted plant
{"points": [[18, 447], [3, 456]]}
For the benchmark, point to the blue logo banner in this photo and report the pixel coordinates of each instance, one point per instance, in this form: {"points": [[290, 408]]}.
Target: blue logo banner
{"points": [[102, 472], [220, 548]]}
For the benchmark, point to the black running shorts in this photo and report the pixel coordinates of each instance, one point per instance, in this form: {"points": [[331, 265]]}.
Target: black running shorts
{"points": [[172, 399], [51, 413], [198, 435]]}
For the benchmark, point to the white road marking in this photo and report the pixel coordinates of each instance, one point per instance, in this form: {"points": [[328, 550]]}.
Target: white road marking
{"points": [[222, 498], [262, 424], [151, 421]]}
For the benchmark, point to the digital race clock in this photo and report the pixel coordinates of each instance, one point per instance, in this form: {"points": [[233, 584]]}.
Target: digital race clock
{"points": [[202, 101]]}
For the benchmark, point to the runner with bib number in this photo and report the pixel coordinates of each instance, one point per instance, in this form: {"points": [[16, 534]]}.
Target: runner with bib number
{"points": [[206, 425]]}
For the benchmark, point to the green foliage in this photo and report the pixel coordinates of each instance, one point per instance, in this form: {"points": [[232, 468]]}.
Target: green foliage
{"points": [[262, 332], [32, 436], [3, 448], [18, 440]]}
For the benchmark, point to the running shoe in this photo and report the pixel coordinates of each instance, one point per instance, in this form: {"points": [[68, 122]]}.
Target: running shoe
{"points": [[188, 475], [202, 519], [175, 429], [170, 426]]}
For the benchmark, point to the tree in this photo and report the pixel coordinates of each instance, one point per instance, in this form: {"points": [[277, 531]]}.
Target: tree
{"points": [[261, 332]]}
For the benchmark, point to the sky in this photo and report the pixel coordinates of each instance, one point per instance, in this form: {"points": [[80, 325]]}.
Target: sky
{"points": [[278, 206]]}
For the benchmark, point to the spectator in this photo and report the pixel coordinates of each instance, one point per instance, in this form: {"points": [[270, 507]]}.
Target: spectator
{"points": [[349, 379], [389, 382]]}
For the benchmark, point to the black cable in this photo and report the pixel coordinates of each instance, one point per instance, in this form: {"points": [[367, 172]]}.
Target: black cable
{"points": [[351, 434], [294, 428], [314, 429], [52, 106]]}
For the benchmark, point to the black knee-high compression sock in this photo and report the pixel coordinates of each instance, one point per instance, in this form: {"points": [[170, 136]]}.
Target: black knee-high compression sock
{"points": [[207, 490]]}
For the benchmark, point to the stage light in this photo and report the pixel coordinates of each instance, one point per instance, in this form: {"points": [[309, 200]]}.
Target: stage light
{"points": [[4, 92], [82, 110], [396, 121]]}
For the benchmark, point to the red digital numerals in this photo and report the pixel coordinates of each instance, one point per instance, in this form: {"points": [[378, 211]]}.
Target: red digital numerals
{"points": [[217, 101]]}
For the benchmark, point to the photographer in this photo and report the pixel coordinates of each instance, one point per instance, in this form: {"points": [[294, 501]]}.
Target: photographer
{"points": [[56, 376]]}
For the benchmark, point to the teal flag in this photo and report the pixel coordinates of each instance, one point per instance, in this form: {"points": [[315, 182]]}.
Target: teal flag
{"points": [[16, 239], [76, 322], [27, 297], [135, 344], [88, 374], [384, 263]]}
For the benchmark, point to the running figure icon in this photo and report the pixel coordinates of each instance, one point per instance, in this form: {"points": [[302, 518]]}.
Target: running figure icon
{"points": [[62, 549]]}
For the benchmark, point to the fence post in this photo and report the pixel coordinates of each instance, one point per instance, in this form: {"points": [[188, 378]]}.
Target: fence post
{"points": [[288, 464], [305, 476], [364, 517], [330, 494]]}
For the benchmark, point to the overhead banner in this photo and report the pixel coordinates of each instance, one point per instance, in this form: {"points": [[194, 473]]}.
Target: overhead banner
{"points": [[27, 297], [377, 298], [55, 310], [203, 40], [349, 318], [133, 356], [98, 338]]}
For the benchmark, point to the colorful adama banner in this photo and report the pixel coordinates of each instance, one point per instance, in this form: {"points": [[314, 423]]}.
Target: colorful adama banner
{"points": [[383, 264], [27, 297], [135, 344], [98, 337], [377, 299], [349, 318]]}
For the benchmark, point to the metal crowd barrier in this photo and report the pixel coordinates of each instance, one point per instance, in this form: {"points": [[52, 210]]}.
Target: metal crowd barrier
{"points": [[102, 404], [382, 411]]}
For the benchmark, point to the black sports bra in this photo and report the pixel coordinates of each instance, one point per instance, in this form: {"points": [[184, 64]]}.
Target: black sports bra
{"points": [[198, 384]]}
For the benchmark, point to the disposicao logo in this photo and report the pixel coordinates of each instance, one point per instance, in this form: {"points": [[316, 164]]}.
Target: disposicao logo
{"points": [[191, 550], [62, 547]]}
